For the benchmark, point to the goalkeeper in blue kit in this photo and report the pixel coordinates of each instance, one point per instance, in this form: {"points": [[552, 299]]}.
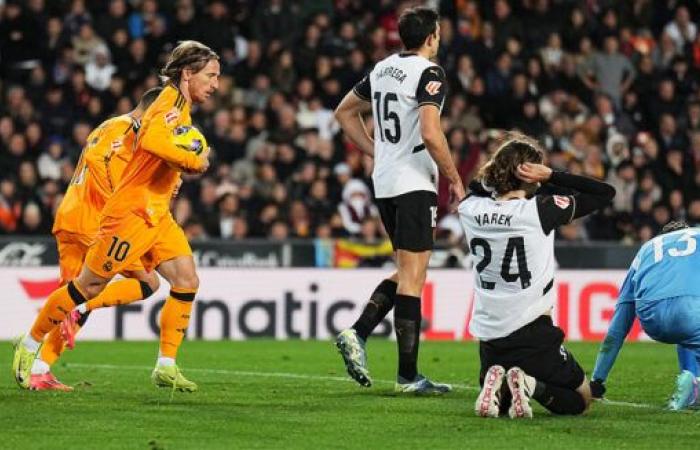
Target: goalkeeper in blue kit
{"points": [[663, 290]]}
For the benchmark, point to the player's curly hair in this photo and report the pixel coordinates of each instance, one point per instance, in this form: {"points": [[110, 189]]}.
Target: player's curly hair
{"points": [[191, 55], [499, 174], [674, 225]]}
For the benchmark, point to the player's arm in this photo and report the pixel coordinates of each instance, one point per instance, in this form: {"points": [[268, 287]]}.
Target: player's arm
{"points": [[430, 94], [620, 326], [156, 138], [591, 194], [554, 210], [349, 115]]}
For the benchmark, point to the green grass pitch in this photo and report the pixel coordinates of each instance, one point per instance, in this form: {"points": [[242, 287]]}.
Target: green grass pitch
{"points": [[294, 394]]}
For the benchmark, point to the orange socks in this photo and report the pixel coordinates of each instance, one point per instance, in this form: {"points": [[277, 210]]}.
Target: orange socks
{"points": [[174, 319], [120, 292], [57, 306], [53, 347]]}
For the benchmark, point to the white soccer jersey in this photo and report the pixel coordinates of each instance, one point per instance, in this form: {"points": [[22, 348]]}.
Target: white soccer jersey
{"points": [[397, 86], [512, 243]]}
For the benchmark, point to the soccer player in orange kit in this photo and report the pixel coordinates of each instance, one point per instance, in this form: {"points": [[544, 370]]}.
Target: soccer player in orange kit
{"points": [[109, 148], [136, 223]]}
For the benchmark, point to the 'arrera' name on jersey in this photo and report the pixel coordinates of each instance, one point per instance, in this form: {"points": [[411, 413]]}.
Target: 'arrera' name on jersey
{"points": [[397, 87], [394, 72]]}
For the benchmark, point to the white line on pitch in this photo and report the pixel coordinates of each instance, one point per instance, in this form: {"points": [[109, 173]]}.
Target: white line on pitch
{"points": [[299, 376]]}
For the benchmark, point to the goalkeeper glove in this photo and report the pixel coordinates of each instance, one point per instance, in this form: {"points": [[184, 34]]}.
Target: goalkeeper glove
{"points": [[597, 388]]}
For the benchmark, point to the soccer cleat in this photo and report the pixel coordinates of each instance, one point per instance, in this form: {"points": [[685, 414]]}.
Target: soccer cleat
{"points": [[420, 385], [520, 404], [47, 382], [686, 392], [488, 402], [171, 377], [22, 363], [352, 349], [69, 328]]}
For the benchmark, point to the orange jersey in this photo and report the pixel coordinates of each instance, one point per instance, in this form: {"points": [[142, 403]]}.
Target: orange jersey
{"points": [[105, 156], [150, 178]]}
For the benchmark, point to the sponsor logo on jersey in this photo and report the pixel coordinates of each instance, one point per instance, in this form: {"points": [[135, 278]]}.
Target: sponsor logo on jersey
{"points": [[172, 116], [433, 87], [561, 201], [116, 144]]}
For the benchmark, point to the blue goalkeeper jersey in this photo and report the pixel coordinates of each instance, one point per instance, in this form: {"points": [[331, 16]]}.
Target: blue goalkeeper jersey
{"points": [[666, 266]]}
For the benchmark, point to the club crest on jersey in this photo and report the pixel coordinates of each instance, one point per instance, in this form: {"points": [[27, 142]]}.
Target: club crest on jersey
{"points": [[561, 201], [433, 87], [107, 267], [172, 116]]}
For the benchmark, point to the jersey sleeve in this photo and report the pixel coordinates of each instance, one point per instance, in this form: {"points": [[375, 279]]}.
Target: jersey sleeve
{"points": [[620, 326], [156, 136], [626, 294], [363, 89], [555, 210], [432, 87]]}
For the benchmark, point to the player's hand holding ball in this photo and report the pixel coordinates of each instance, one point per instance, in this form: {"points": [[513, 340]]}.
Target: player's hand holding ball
{"points": [[188, 137], [204, 156], [533, 173]]}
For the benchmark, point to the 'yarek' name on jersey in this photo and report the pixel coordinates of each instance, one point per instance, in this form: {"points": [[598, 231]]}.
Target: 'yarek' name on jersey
{"points": [[512, 243], [397, 87]]}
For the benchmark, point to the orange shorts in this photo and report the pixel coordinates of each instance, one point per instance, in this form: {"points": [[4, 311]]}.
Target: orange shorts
{"points": [[127, 240], [72, 250]]}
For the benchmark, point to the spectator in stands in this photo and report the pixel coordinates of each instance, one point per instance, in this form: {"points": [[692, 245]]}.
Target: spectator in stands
{"points": [[33, 221], [681, 30], [610, 71], [612, 92], [356, 206], [99, 70]]}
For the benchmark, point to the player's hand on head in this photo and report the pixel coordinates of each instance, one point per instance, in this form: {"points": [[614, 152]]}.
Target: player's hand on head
{"points": [[533, 173]]}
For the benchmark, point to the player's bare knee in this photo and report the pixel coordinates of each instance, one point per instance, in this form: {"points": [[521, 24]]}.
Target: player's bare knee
{"points": [[89, 285], [188, 281], [409, 286], [93, 289]]}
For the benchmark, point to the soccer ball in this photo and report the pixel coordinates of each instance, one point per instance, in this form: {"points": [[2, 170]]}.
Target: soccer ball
{"points": [[189, 138]]}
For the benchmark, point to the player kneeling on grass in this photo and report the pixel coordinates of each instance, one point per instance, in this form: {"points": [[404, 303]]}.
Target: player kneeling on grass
{"points": [[509, 220], [136, 223], [661, 288]]}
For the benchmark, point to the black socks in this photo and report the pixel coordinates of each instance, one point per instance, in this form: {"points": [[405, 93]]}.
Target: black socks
{"points": [[407, 320], [379, 305], [559, 400]]}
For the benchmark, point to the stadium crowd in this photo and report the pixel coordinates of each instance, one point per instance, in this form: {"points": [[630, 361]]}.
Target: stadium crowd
{"points": [[610, 88]]}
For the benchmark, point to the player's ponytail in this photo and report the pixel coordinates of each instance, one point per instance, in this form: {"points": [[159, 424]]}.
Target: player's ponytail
{"points": [[191, 55], [499, 174]]}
